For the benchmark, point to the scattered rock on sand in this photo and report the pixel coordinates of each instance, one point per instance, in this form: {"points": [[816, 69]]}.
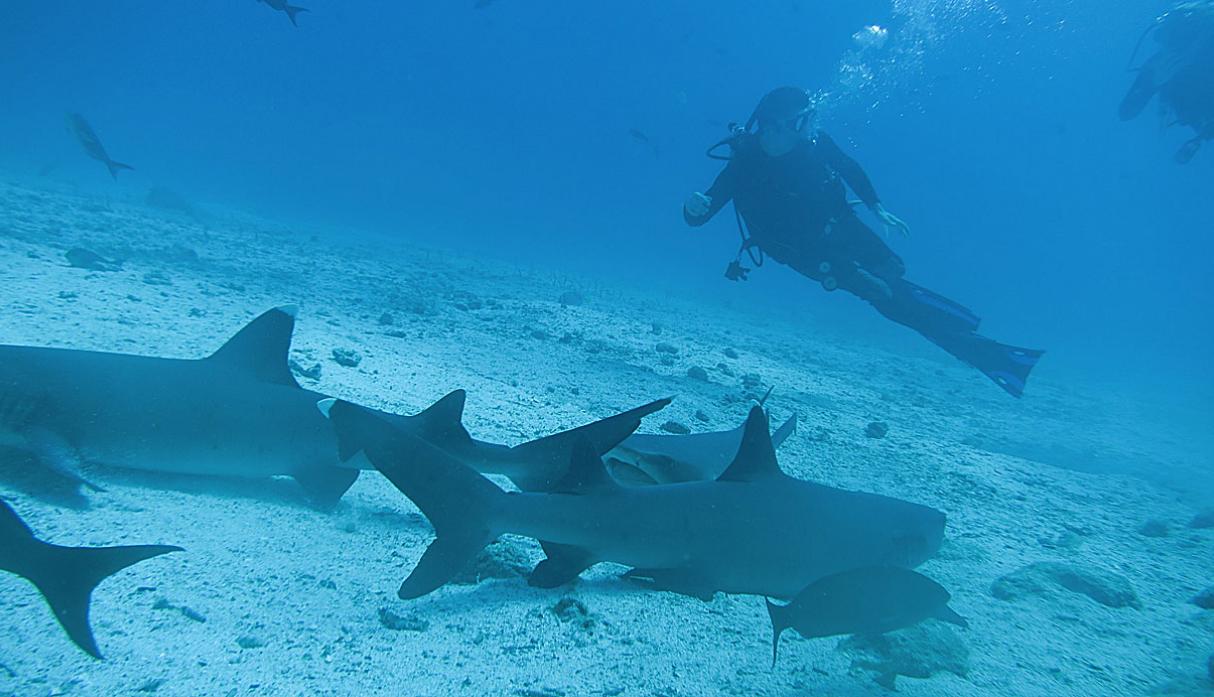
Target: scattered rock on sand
{"points": [[730, 353], [666, 348], [1153, 528], [402, 623], [676, 428], [82, 258], [1104, 587], [312, 373], [250, 641], [915, 652], [876, 429], [695, 372], [499, 560], [387, 320], [571, 297], [1203, 520], [347, 357], [1205, 599]]}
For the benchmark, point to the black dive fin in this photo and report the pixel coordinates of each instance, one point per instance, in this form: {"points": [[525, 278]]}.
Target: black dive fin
{"points": [[1008, 366], [261, 347], [458, 501], [756, 458], [1140, 93], [564, 564], [67, 576], [326, 483]]}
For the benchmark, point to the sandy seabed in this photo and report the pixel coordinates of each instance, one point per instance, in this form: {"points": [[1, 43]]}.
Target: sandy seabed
{"points": [[274, 598]]}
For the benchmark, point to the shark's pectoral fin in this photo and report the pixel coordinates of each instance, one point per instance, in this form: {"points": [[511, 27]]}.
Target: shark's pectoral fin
{"points": [[261, 347], [684, 581], [947, 614], [57, 455], [326, 483], [564, 564], [444, 558]]}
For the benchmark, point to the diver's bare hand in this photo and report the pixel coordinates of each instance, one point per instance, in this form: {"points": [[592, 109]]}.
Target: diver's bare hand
{"points": [[891, 221], [697, 205]]}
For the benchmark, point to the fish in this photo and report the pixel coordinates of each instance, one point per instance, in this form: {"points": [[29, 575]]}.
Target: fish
{"points": [[284, 6], [236, 413], [82, 258], [66, 576], [861, 601], [658, 458], [92, 144], [753, 530]]}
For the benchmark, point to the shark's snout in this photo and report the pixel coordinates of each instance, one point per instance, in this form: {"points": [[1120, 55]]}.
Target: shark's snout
{"points": [[919, 538]]}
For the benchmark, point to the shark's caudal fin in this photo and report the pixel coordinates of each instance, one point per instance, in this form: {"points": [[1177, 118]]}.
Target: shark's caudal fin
{"points": [[291, 11], [116, 167], [602, 435], [261, 347], [779, 622], [458, 502], [66, 576]]}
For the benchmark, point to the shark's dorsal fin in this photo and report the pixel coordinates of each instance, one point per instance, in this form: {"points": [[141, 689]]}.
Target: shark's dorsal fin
{"points": [[444, 420], [756, 458], [586, 472], [261, 347]]}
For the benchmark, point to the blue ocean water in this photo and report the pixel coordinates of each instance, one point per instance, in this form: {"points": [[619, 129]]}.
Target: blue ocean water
{"points": [[566, 136]]}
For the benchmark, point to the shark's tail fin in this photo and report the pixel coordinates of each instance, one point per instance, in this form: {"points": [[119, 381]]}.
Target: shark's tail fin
{"points": [[292, 11], [66, 576], [460, 503], [116, 167], [779, 622], [555, 451]]}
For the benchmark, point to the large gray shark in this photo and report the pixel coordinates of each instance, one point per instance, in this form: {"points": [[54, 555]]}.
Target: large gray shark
{"points": [[657, 458], [754, 530], [66, 576], [238, 412]]}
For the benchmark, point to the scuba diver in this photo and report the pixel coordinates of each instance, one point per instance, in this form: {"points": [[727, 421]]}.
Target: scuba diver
{"points": [[1180, 73], [786, 180]]}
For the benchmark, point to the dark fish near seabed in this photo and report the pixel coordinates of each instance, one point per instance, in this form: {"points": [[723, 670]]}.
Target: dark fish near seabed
{"points": [[92, 144], [861, 601]]}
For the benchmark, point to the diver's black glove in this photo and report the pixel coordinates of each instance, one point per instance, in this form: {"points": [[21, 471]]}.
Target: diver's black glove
{"points": [[736, 272]]}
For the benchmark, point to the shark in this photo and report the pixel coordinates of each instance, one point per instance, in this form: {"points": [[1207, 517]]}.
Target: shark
{"points": [[284, 6], [66, 576], [92, 144], [658, 458], [752, 530], [238, 412]]}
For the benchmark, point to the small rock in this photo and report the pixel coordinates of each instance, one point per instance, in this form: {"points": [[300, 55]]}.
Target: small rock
{"points": [[312, 373], [655, 328], [157, 278], [250, 641], [539, 334], [571, 297], [695, 372], [666, 348], [151, 685], [569, 609], [1205, 599], [68, 295], [725, 370], [347, 357], [751, 380], [197, 312], [1203, 520], [1154, 528], [915, 652], [399, 623], [676, 428], [499, 560], [702, 417], [876, 429], [387, 320], [1210, 668], [1106, 588], [82, 258], [730, 353]]}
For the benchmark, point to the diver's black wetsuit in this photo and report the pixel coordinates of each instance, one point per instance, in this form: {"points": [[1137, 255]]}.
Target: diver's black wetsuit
{"points": [[796, 209]]}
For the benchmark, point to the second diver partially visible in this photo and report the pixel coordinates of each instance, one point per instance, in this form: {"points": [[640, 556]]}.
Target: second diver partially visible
{"points": [[1180, 73], [786, 180]]}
